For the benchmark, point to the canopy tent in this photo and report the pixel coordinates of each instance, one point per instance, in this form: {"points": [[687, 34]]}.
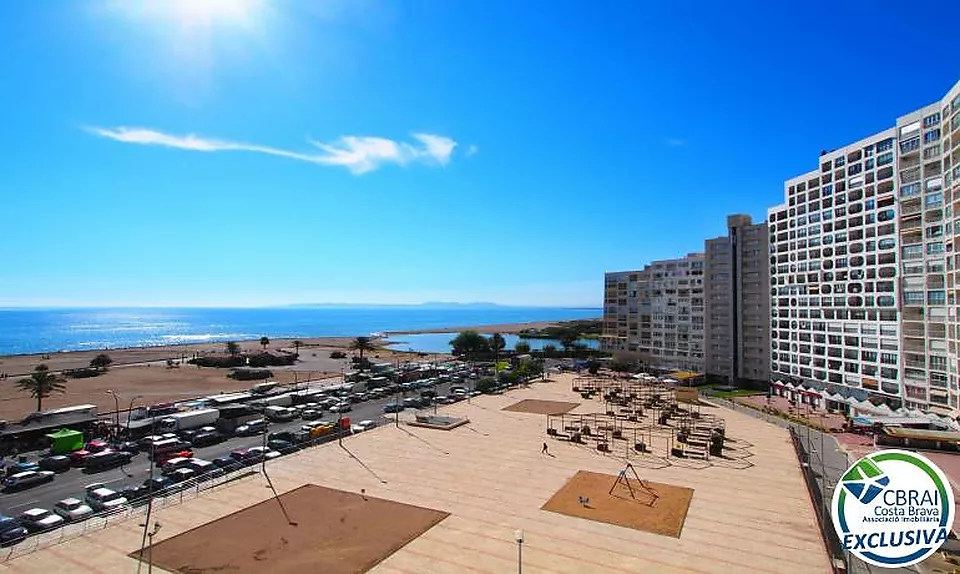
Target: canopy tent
{"points": [[65, 440]]}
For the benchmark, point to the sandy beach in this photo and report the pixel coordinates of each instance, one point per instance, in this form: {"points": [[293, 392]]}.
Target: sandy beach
{"points": [[142, 371]]}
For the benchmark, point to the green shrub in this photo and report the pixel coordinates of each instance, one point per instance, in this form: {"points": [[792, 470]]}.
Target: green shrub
{"points": [[250, 374], [84, 373], [485, 385]]}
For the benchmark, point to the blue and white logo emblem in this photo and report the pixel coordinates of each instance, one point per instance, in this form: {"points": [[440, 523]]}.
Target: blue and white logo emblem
{"points": [[893, 508]]}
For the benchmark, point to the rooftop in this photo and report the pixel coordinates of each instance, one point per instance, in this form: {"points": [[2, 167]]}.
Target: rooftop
{"points": [[491, 478]]}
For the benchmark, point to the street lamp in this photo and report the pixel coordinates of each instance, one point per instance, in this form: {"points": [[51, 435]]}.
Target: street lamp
{"points": [[518, 536], [116, 413]]}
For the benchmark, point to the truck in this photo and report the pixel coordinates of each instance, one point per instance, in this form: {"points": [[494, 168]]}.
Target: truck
{"points": [[188, 420]]}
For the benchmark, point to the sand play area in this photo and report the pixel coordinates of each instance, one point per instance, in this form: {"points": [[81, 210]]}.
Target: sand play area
{"points": [[336, 532], [639, 504]]}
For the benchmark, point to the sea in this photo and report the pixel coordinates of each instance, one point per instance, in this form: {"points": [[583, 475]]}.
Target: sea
{"points": [[25, 331]]}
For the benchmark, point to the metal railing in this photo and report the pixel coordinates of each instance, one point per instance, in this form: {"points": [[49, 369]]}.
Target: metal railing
{"points": [[175, 494]]}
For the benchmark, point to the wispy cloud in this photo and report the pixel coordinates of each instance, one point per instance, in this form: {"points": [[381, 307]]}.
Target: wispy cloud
{"points": [[359, 154], [472, 150], [674, 142]]}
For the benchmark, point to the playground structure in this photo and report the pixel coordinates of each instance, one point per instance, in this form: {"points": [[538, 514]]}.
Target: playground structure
{"points": [[643, 419]]}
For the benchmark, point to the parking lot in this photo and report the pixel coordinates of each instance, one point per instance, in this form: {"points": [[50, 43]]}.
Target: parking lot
{"points": [[71, 483]]}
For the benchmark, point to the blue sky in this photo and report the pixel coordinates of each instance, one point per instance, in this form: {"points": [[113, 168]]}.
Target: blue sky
{"points": [[252, 152]]}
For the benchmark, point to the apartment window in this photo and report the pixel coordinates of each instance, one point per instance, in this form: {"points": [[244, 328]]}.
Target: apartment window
{"points": [[888, 373], [936, 297], [885, 145], [934, 231], [910, 190], [933, 200], [839, 162], [828, 189], [934, 248], [913, 297], [909, 145], [931, 120], [888, 358], [931, 136], [935, 266]]}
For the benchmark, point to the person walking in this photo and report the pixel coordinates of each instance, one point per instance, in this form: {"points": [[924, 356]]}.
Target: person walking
{"points": [[544, 449]]}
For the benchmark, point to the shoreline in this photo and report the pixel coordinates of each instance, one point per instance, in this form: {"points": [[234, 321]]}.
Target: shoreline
{"points": [[503, 328], [18, 365]]}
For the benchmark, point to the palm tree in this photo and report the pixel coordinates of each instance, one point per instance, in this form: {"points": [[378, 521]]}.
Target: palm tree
{"points": [[41, 384], [264, 341], [361, 344], [233, 348], [296, 346]]}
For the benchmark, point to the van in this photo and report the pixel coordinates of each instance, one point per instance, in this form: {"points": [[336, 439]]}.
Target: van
{"points": [[166, 446]]}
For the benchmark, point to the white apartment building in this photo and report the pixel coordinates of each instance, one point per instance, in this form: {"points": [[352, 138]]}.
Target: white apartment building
{"points": [[863, 267], [656, 314]]}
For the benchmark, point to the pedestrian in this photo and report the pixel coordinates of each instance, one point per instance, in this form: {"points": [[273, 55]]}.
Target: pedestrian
{"points": [[544, 449]]}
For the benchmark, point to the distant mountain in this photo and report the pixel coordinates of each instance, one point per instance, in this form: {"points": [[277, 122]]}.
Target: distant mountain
{"points": [[428, 305]]}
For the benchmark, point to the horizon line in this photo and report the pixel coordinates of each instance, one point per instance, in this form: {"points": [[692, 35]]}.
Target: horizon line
{"points": [[295, 305]]}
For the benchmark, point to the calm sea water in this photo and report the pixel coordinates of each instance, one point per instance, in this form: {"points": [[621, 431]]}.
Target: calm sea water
{"points": [[440, 342], [51, 330]]}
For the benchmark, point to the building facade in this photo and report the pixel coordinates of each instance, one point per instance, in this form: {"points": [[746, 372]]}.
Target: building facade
{"points": [[862, 267], [737, 303], [657, 314]]}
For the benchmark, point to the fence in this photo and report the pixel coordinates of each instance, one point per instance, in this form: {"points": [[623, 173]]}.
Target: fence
{"points": [[171, 496]]}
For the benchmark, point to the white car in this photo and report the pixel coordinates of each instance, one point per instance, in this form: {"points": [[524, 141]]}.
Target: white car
{"points": [[104, 499], [72, 509], [363, 425], [259, 451], [39, 519]]}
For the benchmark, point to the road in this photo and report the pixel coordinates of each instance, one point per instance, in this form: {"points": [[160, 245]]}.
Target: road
{"points": [[72, 483]]}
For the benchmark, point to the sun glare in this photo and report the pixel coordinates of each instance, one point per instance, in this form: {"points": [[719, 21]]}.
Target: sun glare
{"points": [[197, 13], [213, 12]]}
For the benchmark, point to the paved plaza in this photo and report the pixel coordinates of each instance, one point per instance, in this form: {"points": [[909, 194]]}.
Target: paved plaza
{"points": [[492, 478]]}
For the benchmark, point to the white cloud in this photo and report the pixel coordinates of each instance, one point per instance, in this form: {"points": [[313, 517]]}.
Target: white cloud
{"points": [[472, 150], [359, 154], [674, 142]]}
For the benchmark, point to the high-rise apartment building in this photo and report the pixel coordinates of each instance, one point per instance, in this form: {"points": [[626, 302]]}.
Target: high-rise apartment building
{"points": [[737, 296], [656, 314], [863, 266]]}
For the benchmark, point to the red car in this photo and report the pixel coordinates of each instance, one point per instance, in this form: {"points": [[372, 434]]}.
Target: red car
{"points": [[163, 458], [97, 446]]}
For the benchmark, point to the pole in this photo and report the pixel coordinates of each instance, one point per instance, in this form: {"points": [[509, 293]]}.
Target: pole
{"points": [[116, 401]]}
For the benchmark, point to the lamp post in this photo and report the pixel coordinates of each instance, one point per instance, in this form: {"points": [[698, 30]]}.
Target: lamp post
{"points": [[116, 413], [518, 536]]}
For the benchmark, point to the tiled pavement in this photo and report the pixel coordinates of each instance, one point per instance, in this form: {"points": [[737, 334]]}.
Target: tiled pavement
{"points": [[491, 477]]}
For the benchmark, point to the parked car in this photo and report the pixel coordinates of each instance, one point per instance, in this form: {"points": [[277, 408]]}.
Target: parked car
{"points": [[259, 452], [127, 446], [56, 463], [251, 428], [208, 439], [11, 531], [281, 446], [105, 460], [101, 498], [393, 407], [363, 426], [227, 463], [158, 484], [21, 465], [182, 474], [174, 464], [79, 457], [72, 509], [28, 479], [96, 446], [311, 414], [135, 494], [164, 458], [40, 519], [201, 467]]}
